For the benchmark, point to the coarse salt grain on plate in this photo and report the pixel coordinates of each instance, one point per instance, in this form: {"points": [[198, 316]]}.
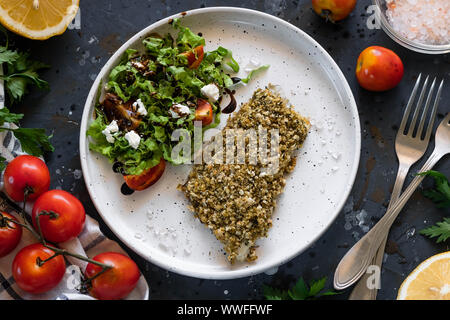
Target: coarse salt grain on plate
{"points": [[424, 21]]}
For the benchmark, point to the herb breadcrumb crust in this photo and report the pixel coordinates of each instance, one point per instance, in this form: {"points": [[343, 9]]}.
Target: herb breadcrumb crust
{"points": [[236, 201]]}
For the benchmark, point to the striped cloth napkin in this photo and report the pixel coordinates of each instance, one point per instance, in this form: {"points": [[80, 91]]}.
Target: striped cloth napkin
{"points": [[90, 242]]}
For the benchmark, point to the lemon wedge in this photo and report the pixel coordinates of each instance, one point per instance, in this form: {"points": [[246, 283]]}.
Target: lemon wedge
{"points": [[429, 281], [37, 19]]}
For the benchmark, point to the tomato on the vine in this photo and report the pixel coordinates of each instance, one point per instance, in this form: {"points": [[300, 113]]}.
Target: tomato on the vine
{"points": [[64, 218], [32, 277], [114, 283], [26, 174], [10, 234]]}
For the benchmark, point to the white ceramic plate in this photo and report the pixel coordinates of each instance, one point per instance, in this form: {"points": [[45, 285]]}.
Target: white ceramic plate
{"points": [[156, 222]]}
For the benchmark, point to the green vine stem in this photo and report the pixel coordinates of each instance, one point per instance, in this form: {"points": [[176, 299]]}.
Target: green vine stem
{"points": [[40, 237]]}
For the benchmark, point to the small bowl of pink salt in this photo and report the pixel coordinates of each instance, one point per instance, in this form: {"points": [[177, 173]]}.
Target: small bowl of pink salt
{"points": [[419, 25]]}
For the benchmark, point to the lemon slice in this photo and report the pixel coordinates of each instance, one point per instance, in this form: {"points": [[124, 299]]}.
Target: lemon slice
{"points": [[37, 19], [429, 281]]}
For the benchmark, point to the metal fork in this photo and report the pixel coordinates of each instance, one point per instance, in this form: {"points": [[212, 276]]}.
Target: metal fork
{"points": [[409, 147], [358, 258]]}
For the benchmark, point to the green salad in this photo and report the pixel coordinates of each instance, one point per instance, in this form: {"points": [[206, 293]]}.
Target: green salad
{"points": [[150, 94]]}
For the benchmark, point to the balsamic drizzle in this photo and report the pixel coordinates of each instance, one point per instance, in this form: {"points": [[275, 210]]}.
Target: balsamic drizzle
{"points": [[232, 105], [126, 190]]}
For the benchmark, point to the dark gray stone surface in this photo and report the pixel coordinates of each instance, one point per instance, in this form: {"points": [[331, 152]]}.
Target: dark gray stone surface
{"points": [[77, 56]]}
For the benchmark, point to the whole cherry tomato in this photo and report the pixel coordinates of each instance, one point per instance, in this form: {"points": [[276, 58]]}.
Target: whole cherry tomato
{"points": [[203, 112], [26, 173], [10, 234], [333, 10], [379, 69], [115, 283], [35, 278], [66, 215], [146, 178], [194, 57]]}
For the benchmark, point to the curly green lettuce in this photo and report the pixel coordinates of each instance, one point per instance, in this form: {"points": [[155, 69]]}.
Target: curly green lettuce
{"points": [[167, 80]]}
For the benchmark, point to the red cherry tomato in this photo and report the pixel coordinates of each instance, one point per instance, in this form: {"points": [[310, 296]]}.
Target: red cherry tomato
{"points": [[204, 112], [67, 219], [194, 57], [26, 172], [10, 234], [33, 278], [117, 282], [146, 178], [333, 10], [379, 69]]}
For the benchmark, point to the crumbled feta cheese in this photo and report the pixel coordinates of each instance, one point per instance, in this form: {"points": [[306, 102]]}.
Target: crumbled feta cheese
{"points": [[179, 111], [113, 127], [140, 107], [211, 91], [109, 138], [109, 130], [133, 139]]}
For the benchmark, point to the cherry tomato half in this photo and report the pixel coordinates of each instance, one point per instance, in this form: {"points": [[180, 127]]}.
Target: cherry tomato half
{"points": [[194, 57], [203, 112], [333, 10], [379, 69], [115, 283], [33, 278], [67, 219], [26, 172], [146, 178], [10, 234]]}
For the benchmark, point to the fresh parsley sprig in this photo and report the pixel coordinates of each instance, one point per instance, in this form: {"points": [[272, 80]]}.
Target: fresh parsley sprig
{"points": [[300, 291], [34, 141], [7, 116], [441, 196], [19, 72], [440, 230], [2, 163]]}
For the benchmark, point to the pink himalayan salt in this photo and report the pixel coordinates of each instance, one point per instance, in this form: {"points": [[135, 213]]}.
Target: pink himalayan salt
{"points": [[424, 21]]}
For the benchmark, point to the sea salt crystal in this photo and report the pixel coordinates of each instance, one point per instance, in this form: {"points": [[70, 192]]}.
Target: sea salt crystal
{"points": [[164, 246], [138, 236], [336, 156], [423, 21], [319, 125], [252, 64], [410, 232], [271, 271], [77, 174]]}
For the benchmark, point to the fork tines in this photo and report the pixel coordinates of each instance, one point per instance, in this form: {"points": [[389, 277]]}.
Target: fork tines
{"points": [[412, 130]]}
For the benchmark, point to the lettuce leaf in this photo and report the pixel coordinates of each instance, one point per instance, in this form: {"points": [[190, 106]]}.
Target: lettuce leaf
{"points": [[254, 72], [170, 82]]}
